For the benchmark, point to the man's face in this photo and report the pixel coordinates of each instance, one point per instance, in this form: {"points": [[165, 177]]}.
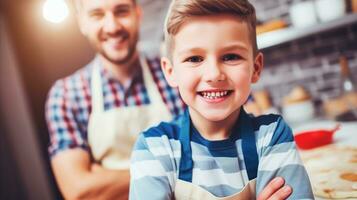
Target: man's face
{"points": [[111, 26]]}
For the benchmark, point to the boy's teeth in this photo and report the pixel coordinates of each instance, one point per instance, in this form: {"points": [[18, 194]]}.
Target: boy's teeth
{"points": [[213, 95]]}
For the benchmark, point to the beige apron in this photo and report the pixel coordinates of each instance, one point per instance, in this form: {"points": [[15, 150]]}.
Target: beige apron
{"points": [[112, 133], [185, 190]]}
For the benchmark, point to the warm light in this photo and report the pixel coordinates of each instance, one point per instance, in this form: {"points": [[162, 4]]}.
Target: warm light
{"points": [[55, 11]]}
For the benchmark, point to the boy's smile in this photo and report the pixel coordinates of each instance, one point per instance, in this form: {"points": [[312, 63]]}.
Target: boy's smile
{"points": [[213, 66], [215, 96]]}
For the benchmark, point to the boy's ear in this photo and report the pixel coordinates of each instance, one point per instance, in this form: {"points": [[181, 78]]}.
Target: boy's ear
{"points": [[258, 67], [167, 68]]}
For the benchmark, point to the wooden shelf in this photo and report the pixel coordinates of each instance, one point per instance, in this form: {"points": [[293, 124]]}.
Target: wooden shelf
{"points": [[277, 37]]}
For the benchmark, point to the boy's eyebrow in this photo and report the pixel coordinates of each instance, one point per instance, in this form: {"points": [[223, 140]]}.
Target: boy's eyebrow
{"points": [[190, 50], [235, 46]]}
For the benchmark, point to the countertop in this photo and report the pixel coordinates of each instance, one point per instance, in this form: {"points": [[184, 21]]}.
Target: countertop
{"points": [[345, 136]]}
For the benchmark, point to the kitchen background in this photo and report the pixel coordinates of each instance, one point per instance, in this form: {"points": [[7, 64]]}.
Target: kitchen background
{"points": [[34, 53]]}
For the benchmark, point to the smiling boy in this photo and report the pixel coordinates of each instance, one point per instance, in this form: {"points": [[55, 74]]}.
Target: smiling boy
{"points": [[215, 150]]}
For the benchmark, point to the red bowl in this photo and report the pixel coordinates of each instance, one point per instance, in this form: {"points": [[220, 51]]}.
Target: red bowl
{"points": [[314, 138]]}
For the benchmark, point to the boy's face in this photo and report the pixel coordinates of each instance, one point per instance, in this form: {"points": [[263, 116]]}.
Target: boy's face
{"points": [[213, 65]]}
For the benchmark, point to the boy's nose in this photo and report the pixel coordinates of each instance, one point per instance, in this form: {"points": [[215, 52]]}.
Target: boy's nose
{"points": [[111, 24], [214, 73]]}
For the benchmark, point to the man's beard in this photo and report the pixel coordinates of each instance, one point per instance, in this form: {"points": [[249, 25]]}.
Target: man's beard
{"points": [[131, 49], [124, 60]]}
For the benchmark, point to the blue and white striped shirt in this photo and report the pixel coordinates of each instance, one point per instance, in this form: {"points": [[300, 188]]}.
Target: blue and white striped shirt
{"points": [[218, 166]]}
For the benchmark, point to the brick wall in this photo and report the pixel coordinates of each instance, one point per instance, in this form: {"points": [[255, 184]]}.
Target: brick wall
{"points": [[272, 9], [151, 33], [311, 61]]}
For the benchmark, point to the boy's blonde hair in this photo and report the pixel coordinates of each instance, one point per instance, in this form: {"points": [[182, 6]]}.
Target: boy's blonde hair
{"points": [[181, 10]]}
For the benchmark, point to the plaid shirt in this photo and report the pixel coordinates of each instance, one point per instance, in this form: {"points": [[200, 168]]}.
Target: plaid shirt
{"points": [[68, 105]]}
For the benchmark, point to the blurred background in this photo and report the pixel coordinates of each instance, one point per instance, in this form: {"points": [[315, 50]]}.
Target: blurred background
{"points": [[307, 45]]}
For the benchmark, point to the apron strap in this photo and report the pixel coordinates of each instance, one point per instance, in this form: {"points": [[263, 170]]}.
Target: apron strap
{"points": [[96, 87], [186, 162], [156, 99], [249, 148], [150, 85]]}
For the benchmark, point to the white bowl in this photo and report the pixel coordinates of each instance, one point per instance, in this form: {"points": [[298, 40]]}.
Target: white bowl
{"points": [[299, 112], [330, 9], [303, 14]]}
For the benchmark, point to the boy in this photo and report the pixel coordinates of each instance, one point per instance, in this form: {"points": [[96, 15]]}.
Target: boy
{"points": [[215, 150]]}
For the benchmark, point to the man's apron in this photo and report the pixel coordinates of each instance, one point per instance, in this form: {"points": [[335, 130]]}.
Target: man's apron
{"points": [[185, 190], [112, 133]]}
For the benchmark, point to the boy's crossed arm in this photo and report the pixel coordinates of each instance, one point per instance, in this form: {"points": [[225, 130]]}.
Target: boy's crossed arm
{"points": [[151, 178], [275, 190], [280, 158]]}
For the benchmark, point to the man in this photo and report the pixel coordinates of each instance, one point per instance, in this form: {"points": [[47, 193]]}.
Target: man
{"points": [[89, 146], [95, 114]]}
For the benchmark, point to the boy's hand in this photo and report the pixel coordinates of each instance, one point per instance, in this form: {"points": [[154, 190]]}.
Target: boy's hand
{"points": [[275, 190]]}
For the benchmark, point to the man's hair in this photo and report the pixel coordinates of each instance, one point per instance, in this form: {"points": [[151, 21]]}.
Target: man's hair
{"points": [[180, 11], [78, 4]]}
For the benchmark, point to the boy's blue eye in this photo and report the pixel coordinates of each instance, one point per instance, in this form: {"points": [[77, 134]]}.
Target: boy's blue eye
{"points": [[194, 59], [231, 57]]}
